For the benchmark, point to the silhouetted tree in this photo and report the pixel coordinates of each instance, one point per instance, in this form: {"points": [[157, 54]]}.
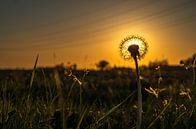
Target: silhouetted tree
{"points": [[102, 65]]}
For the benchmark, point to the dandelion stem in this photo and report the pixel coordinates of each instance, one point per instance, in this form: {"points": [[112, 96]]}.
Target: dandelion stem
{"points": [[139, 95]]}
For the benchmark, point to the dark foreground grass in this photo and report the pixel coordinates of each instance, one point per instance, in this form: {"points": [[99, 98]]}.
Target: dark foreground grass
{"points": [[68, 102]]}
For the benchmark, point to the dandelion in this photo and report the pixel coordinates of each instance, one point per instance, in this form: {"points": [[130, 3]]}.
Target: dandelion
{"points": [[134, 44], [135, 47]]}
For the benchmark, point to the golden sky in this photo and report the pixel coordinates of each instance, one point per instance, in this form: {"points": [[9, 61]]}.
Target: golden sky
{"points": [[85, 32]]}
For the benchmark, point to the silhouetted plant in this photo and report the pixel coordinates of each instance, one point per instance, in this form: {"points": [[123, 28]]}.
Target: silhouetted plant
{"points": [[135, 47], [190, 63]]}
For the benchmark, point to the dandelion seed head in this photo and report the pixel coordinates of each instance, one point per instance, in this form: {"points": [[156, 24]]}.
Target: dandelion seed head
{"points": [[133, 45]]}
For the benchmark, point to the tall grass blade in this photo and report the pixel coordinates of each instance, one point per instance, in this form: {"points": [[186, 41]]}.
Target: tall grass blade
{"points": [[81, 118], [70, 90], [164, 109], [178, 119], [33, 72], [114, 108]]}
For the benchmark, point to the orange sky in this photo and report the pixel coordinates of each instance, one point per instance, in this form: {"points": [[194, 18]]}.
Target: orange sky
{"points": [[86, 32]]}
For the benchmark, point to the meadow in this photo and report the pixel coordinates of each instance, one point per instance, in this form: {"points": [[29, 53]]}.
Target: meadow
{"points": [[67, 98]]}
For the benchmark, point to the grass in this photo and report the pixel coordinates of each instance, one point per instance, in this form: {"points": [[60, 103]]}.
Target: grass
{"points": [[96, 104]]}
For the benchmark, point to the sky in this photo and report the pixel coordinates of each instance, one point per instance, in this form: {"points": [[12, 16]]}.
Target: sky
{"points": [[85, 32]]}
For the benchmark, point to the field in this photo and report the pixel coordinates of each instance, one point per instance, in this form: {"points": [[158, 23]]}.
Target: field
{"points": [[62, 98]]}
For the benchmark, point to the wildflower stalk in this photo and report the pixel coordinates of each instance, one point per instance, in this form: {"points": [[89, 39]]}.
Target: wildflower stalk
{"points": [[135, 47], [134, 51], [139, 95]]}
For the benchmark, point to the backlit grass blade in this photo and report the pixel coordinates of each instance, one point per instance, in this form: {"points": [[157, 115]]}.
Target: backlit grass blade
{"points": [[81, 118], [164, 109], [33, 72], [113, 109]]}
